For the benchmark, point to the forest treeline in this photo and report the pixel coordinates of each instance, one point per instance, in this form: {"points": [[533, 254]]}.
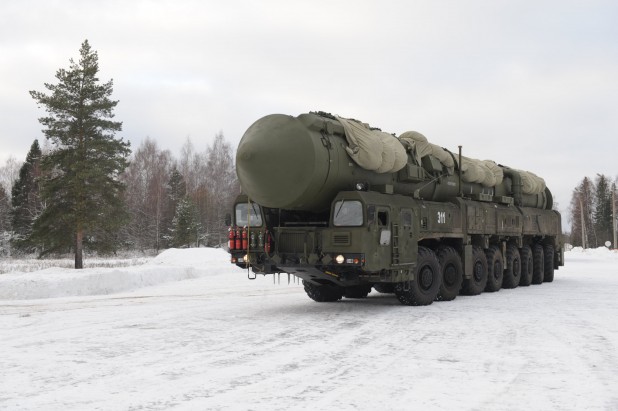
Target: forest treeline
{"points": [[168, 201], [593, 212]]}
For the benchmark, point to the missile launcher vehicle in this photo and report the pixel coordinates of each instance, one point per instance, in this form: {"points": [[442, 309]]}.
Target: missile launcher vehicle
{"points": [[347, 207]]}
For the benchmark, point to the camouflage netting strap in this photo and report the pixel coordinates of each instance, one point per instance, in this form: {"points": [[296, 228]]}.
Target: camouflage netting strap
{"points": [[486, 172], [372, 149], [422, 147]]}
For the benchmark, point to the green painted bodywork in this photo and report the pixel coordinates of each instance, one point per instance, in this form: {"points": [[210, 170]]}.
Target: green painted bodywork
{"points": [[296, 169]]}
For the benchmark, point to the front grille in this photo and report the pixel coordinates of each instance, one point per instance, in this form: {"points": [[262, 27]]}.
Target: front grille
{"points": [[341, 238], [291, 242]]}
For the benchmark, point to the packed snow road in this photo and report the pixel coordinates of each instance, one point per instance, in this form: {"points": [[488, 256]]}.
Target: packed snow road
{"points": [[218, 341]]}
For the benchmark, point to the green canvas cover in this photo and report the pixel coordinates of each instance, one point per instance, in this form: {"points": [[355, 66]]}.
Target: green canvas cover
{"points": [[373, 149]]}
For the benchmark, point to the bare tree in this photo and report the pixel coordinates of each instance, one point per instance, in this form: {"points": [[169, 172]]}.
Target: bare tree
{"points": [[9, 172], [192, 166], [223, 185], [146, 195], [582, 205], [602, 214], [156, 184]]}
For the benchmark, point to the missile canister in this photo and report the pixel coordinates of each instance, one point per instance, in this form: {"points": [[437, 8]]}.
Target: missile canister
{"points": [[301, 163]]}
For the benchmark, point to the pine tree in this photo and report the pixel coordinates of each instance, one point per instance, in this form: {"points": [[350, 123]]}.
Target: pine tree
{"points": [[185, 226], [5, 223], [5, 208], [81, 188], [26, 199], [176, 190]]}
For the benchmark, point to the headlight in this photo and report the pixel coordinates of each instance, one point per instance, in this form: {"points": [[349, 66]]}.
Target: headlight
{"points": [[339, 259], [246, 258], [361, 186]]}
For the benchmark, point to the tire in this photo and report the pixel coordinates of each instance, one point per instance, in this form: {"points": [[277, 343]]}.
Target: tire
{"points": [[357, 291], [527, 266], [512, 274], [548, 252], [477, 283], [323, 293], [538, 263], [451, 270], [495, 269], [423, 289], [384, 288]]}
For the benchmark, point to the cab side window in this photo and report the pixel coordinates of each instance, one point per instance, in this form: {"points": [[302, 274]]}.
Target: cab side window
{"points": [[371, 214], [382, 218]]}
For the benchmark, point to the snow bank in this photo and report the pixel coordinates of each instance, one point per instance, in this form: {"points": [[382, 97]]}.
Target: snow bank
{"points": [[170, 265], [602, 252]]}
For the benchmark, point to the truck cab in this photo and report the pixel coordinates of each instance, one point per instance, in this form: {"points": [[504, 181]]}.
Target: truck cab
{"points": [[365, 237]]}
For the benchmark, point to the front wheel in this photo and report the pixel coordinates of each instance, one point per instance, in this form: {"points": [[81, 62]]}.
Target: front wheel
{"points": [[323, 293], [423, 289]]}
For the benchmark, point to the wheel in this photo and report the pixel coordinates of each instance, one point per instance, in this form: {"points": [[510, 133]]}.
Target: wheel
{"points": [[384, 288], [323, 293], [423, 289], [476, 284], [512, 274], [452, 273], [527, 266], [538, 263], [357, 291], [548, 252], [495, 269]]}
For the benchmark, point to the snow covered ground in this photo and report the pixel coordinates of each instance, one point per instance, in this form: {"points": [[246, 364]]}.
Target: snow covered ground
{"points": [[188, 331]]}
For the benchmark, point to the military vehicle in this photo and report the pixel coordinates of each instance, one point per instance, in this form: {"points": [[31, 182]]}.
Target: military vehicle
{"points": [[346, 207]]}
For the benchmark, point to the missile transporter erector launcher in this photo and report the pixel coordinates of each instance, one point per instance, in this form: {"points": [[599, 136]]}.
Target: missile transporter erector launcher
{"points": [[346, 207]]}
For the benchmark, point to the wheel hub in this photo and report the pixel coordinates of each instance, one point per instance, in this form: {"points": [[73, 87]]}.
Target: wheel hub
{"points": [[478, 271], [450, 274], [426, 278]]}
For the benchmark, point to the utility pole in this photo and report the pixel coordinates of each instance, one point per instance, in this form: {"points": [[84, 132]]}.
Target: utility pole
{"points": [[614, 213]]}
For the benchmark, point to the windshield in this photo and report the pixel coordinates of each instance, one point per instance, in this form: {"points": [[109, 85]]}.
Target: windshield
{"points": [[348, 213], [254, 217]]}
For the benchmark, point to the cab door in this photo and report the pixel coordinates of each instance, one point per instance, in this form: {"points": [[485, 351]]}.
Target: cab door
{"points": [[379, 219], [404, 246]]}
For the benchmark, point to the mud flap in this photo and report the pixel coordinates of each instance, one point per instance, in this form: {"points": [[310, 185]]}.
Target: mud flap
{"points": [[468, 261]]}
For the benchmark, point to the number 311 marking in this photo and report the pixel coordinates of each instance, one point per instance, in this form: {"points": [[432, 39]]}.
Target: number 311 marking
{"points": [[441, 217]]}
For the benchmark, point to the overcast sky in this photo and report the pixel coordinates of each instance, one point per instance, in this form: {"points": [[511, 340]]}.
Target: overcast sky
{"points": [[529, 84]]}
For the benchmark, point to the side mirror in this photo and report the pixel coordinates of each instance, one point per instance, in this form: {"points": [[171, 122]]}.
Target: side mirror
{"points": [[228, 219]]}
